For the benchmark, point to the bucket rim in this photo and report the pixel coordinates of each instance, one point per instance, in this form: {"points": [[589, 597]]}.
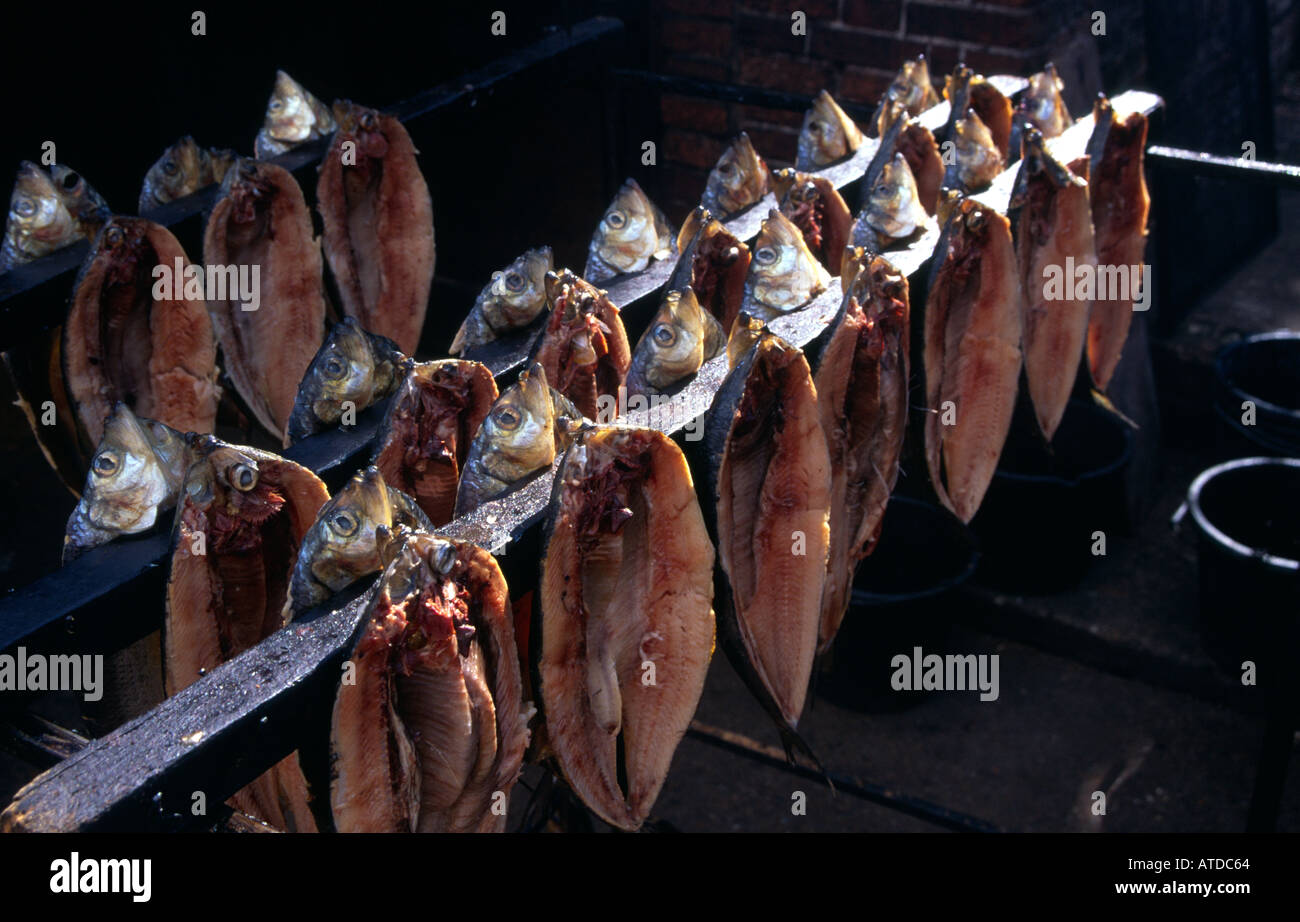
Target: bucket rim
{"points": [[1224, 541], [1221, 375]]}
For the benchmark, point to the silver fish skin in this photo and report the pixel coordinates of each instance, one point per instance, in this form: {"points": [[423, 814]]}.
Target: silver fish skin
{"points": [[784, 275], [293, 117], [513, 299], [136, 473], [893, 210], [632, 232], [38, 222]]}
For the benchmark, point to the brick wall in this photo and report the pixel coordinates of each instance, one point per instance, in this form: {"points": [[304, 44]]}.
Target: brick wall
{"points": [[852, 48]]}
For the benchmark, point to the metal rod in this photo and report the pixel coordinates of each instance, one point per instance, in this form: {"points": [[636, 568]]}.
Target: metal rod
{"points": [[747, 748], [1284, 175]]}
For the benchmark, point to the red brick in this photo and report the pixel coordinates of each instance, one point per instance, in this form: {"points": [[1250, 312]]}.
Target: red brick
{"points": [[692, 148], [767, 32], [697, 36], [717, 9], [1001, 62], [886, 15], [815, 9], [696, 114], [1007, 28], [1015, 4], [696, 67], [684, 186], [943, 57], [784, 72], [863, 85], [855, 46], [775, 145], [784, 118]]}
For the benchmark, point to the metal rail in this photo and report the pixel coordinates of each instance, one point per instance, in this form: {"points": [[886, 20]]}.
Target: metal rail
{"points": [[1282, 175], [232, 724]]}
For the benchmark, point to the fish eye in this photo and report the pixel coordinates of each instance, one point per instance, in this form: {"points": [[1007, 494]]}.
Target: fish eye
{"points": [[664, 334], [170, 167], [514, 281], [506, 417], [616, 219], [726, 169], [881, 189], [106, 464], [71, 181], [814, 125], [276, 105], [25, 207], [975, 220], [765, 255], [113, 236], [368, 122], [334, 368], [343, 525], [243, 477]]}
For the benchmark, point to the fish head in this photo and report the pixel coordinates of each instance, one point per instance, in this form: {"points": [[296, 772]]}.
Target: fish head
{"points": [[1042, 103], [343, 544], [911, 87], [746, 331], [827, 135], [575, 308], [127, 483], [956, 86], [182, 169], [294, 115], [120, 245], [344, 369], [36, 209], [893, 203], [978, 157], [632, 231], [517, 294], [784, 274], [739, 179], [520, 425], [675, 339]]}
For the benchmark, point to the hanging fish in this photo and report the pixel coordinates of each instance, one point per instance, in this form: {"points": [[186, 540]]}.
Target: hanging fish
{"points": [[744, 334], [972, 354], [135, 474], [1051, 224], [584, 347], [783, 275], [739, 179], [431, 736], [911, 90], [344, 542], [861, 376], [632, 232], [86, 206], [626, 629], [511, 301], [767, 501], [261, 222], [378, 221], [681, 338], [1120, 204], [814, 205], [713, 264], [122, 342], [183, 169], [293, 117], [828, 135], [351, 371], [965, 90], [976, 161], [424, 440], [526, 428], [243, 515]]}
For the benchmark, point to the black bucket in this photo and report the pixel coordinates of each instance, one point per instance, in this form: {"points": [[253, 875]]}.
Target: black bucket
{"points": [[1247, 515], [901, 598], [1264, 370], [1037, 523]]}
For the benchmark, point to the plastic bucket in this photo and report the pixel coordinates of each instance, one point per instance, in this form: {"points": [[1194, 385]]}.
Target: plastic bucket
{"points": [[900, 600], [1263, 370], [1247, 518], [1038, 522]]}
